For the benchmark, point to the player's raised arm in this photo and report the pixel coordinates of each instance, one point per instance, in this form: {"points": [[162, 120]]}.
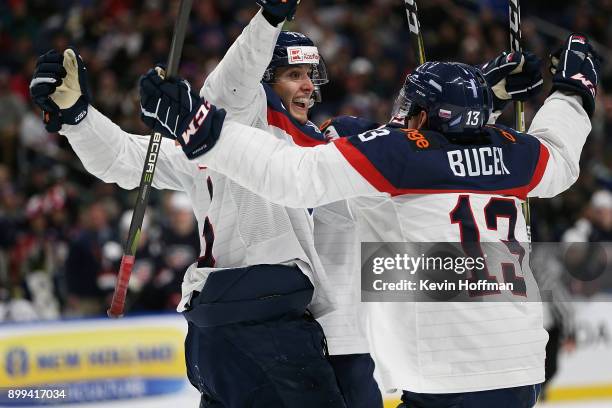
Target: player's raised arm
{"points": [[563, 123], [235, 83], [59, 87]]}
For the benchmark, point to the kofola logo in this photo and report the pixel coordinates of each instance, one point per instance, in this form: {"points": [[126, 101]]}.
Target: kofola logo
{"points": [[303, 55]]}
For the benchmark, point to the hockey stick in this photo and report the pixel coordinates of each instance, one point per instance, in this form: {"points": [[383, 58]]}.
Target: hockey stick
{"points": [[416, 37], [129, 252], [519, 107]]}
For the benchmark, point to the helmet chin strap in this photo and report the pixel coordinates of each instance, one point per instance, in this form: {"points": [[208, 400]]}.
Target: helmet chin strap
{"points": [[311, 102]]}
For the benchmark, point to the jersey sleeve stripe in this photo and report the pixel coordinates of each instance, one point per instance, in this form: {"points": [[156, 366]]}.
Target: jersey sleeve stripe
{"points": [[281, 121], [540, 168], [363, 166]]}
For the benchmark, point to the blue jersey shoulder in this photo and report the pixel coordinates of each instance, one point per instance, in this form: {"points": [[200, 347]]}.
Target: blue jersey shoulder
{"points": [[403, 161]]}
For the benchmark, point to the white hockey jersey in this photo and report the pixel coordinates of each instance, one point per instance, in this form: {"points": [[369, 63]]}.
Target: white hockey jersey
{"points": [[238, 228], [407, 186], [337, 244]]}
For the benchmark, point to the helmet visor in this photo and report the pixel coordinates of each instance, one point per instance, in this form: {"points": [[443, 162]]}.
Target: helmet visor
{"points": [[403, 108]]}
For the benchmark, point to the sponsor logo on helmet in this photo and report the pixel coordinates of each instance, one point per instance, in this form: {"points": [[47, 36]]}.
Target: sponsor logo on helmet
{"points": [[302, 55], [444, 114]]}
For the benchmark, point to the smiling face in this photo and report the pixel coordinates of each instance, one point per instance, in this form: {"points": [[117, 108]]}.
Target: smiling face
{"points": [[294, 87]]}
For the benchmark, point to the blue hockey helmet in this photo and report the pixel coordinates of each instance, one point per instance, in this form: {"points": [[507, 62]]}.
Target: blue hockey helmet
{"points": [[295, 49], [455, 97]]}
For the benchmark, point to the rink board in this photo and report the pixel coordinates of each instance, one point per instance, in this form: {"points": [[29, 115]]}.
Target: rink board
{"points": [[139, 357]]}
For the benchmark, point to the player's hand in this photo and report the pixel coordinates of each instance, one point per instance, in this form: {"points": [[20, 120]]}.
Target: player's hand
{"points": [[344, 126], [575, 68], [173, 109], [59, 88], [513, 76], [275, 11]]}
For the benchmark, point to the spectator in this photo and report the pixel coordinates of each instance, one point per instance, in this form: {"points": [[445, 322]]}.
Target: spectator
{"points": [[596, 223], [85, 263], [13, 109], [178, 246]]}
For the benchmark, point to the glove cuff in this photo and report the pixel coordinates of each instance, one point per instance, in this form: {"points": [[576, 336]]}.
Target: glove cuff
{"points": [[76, 113], [272, 19], [201, 133], [499, 104], [588, 102], [52, 122]]}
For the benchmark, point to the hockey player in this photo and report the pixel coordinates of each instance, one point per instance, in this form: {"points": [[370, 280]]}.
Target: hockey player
{"points": [[446, 177], [250, 340], [278, 101]]}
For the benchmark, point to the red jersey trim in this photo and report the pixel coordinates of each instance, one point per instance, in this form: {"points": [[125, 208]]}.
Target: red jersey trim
{"points": [[300, 138], [540, 168]]}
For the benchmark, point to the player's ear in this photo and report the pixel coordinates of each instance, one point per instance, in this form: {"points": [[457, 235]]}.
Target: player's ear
{"points": [[421, 119]]}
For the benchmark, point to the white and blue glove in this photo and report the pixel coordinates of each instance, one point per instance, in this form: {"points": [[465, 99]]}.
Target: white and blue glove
{"points": [[575, 68], [59, 87], [513, 76], [171, 108]]}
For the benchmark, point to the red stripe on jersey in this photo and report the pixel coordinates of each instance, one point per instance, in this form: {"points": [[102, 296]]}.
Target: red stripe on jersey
{"points": [[540, 168], [282, 122], [363, 165], [369, 172]]}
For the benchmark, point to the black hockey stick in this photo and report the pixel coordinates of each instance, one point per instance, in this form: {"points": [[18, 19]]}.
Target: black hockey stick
{"points": [[129, 252], [519, 107], [416, 37]]}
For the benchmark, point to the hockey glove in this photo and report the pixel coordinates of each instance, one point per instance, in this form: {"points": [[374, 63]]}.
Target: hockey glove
{"points": [[575, 68], [173, 109], [344, 126], [275, 11], [59, 87], [513, 76]]}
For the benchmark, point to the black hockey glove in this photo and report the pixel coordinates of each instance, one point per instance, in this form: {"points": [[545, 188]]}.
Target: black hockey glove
{"points": [[173, 109], [59, 87], [276, 11], [513, 76], [575, 68], [344, 126]]}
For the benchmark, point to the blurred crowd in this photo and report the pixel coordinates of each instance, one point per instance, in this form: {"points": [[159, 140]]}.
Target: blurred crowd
{"points": [[62, 231]]}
